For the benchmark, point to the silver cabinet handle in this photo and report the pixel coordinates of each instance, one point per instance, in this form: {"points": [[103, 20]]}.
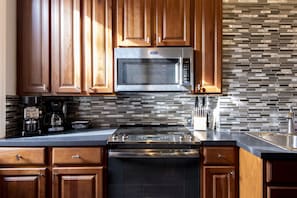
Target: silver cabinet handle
{"points": [[75, 156], [220, 155], [159, 39], [231, 173], [148, 40], [18, 157]]}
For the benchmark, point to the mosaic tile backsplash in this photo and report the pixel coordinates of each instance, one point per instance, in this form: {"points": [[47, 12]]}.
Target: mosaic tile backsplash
{"points": [[259, 78]]}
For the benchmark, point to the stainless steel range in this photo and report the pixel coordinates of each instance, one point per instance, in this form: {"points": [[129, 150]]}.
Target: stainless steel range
{"points": [[153, 135], [153, 162]]}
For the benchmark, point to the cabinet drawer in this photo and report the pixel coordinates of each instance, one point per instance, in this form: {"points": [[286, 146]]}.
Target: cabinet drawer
{"points": [[219, 155], [281, 191], [77, 156], [22, 156], [281, 171]]}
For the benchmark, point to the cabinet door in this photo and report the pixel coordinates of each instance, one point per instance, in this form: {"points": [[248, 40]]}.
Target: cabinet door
{"points": [[219, 182], [33, 46], [281, 192], [208, 46], [133, 22], [22, 182], [97, 46], [78, 182], [66, 46], [173, 23]]}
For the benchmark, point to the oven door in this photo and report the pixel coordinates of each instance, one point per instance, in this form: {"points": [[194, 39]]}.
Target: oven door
{"points": [[153, 173]]}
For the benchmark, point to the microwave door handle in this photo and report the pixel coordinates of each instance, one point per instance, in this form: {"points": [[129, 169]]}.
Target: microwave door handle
{"points": [[181, 71]]}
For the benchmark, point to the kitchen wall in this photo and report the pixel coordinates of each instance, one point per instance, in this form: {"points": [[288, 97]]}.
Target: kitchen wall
{"points": [[259, 77], [259, 65], [7, 56]]}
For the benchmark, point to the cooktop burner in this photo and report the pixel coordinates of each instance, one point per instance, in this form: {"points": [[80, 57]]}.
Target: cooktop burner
{"points": [[152, 134]]}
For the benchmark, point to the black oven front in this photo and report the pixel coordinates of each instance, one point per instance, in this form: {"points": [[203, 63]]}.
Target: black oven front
{"points": [[153, 173]]}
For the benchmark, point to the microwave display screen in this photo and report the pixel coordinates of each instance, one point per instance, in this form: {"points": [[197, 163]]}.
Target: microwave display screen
{"points": [[148, 71]]}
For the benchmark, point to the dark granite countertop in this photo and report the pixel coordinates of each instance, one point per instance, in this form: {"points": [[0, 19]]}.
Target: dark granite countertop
{"points": [[84, 137], [255, 146], [98, 137]]}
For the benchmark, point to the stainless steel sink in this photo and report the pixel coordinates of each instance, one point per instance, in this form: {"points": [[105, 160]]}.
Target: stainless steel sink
{"points": [[282, 140]]}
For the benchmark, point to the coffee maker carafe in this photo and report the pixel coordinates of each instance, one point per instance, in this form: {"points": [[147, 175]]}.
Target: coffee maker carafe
{"points": [[32, 116], [55, 118]]}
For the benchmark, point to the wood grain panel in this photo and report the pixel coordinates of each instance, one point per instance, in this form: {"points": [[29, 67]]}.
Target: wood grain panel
{"points": [[219, 182], [134, 22], [25, 182], [173, 23], [280, 171], [78, 155], [281, 192], [97, 46], [33, 55], [211, 48], [250, 175], [219, 155], [66, 46], [22, 156], [78, 182]]}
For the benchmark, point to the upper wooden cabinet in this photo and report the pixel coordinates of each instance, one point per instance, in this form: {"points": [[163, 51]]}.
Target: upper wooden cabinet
{"points": [[173, 26], [66, 46], [33, 55], [134, 22], [82, 46], [208, 46], [97, 46], [153, 23]]}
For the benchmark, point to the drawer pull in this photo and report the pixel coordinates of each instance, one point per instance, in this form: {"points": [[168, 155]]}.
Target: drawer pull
{"points": [[18, 157], [232, 173], [220, 155], [75, 156]]}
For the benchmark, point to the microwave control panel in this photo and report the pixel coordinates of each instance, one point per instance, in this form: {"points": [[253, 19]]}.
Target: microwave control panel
{"points": [[186, 71]]}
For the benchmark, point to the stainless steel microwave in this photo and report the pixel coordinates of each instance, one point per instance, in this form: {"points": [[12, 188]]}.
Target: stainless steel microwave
{"points": [[154, 69]]}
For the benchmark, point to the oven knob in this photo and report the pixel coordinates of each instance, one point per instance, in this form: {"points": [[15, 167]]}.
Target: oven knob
{"points": [[190, 138], [181, 138], [124, 137], [114, 137]]}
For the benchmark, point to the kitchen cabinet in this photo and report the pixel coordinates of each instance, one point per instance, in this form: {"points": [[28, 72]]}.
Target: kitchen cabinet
{"points": [[153, 23], [33, 41], [134, 18], [77, 172], [208, 46], [269, 178], [97, 46], [23, 182], [78, 182], [173, 22], [219, 172], [65, 47], [39, 172], [22, 172]]}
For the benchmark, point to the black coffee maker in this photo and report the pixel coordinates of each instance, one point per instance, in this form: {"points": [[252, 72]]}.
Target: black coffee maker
{"points": [[33, 114], [55, 118]]}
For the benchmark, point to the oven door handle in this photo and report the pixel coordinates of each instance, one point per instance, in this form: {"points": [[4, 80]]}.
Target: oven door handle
{"points": [[154, 153]]}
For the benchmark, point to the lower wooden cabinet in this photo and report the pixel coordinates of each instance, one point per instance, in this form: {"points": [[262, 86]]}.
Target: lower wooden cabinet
{"points": [[281, 192], [267, 178], [219, 182], [220, 172], [77, 182], [23, 182]]}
